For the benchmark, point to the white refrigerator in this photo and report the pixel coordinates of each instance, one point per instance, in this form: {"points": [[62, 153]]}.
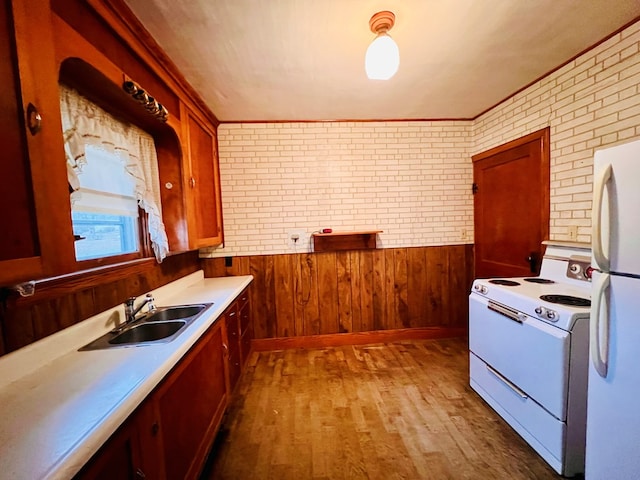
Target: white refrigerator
{"points": [[613, 404]]}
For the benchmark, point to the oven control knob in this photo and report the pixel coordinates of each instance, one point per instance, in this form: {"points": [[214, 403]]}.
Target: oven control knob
{"points": [[575, 268], [551, 315], [480, 288], [540, 310]]}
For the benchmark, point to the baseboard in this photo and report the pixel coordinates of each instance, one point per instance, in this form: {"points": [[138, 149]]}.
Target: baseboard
{"points": [[355, 338]]}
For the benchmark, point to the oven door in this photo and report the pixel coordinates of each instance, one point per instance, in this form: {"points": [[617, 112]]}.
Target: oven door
{"points": [[528, 353]]}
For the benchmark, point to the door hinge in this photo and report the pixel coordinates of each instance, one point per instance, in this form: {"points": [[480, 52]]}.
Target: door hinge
{"points": [[474, 188]]}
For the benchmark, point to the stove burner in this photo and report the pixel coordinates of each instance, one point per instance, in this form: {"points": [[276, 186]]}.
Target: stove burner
{"points": [[539, 280], [566, 300], [507, 283]]}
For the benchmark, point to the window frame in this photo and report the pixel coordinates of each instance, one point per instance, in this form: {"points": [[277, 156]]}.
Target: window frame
{"points": [[144, 251]]}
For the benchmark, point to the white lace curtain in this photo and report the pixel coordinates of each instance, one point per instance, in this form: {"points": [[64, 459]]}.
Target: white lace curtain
{"points": [[84, 123]]}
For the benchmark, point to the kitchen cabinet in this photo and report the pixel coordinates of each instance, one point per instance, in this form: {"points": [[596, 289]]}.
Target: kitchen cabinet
{"points": [[239, 335], [246, 327], [190, 404], [201, 181], [37, 239], [233, 337], [131, 453], [170, 435]]}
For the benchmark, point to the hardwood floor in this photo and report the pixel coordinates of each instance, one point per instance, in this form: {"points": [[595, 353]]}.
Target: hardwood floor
{"points": [[395, 411]]}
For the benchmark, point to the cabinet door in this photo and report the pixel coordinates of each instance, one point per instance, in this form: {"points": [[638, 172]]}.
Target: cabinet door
{"points": [[203, 184], [118, 458], [37, 239], [190, 403], [246, 326], [233, 338]]}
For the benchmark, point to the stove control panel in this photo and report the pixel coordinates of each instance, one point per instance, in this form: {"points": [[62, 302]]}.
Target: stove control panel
{"points": [[579, 268], [547, 313]]}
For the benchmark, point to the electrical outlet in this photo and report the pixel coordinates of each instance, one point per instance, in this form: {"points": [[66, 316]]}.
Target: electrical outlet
{"points": [[297, 240], [573, 232], [463, 234]]}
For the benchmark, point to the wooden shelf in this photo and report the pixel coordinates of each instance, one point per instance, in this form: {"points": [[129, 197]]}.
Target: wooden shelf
{"points": [[334, 241]]}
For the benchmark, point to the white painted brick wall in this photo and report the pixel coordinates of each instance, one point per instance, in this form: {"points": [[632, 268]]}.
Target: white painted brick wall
{"points": [[412, 179], [409, 179], [590, 103]]}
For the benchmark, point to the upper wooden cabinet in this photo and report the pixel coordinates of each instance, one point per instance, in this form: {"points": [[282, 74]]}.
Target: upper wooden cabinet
{"points": [[202, 182], [37, 239]]}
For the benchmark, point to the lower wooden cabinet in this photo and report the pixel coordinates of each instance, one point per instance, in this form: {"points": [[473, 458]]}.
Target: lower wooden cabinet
{"points": [[131, 453], [169, 436], [190, 406]]}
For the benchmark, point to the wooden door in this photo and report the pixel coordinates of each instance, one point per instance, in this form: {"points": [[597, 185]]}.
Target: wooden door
{"points": [[511, 206]]}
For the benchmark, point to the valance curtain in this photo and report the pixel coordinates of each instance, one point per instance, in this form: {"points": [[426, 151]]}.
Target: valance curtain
{"points": [[85, 123]]}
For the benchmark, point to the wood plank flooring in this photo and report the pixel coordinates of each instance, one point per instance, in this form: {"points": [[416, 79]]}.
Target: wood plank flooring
{"points": [[395, 411]]}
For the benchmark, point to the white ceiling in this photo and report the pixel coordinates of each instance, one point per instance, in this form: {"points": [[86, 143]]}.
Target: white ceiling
{"points": [[254, 60]]}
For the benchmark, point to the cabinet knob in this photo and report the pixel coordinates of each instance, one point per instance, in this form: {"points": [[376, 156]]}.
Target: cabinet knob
{"points": [[140, 474], [155, 428], [192, 182], [34, 119]]}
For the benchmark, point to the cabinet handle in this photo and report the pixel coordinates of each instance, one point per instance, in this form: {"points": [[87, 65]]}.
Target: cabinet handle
{"points": [[34, 119], [192, 182], [140, 473], [155, 428], [225, 348]]}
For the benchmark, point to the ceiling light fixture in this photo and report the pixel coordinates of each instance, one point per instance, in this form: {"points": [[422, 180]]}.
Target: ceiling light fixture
{"points": [[383, 57]]}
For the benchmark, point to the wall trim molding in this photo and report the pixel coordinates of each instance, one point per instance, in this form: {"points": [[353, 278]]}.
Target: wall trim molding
{"points": [[356, 338]]}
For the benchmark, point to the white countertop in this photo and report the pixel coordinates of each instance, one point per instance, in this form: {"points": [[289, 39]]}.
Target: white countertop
{"points": [[58, 405]]}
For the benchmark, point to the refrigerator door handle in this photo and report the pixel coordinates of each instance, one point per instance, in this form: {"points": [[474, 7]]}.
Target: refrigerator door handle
{"points": [[598, 195], [600, 324]]}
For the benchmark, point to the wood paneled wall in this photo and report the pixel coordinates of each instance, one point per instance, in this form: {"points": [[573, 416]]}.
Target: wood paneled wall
{"points": [[355, 291], [58, 304]]}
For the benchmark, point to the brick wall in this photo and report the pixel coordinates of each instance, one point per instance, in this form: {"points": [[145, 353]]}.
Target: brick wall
{"points": [[412, 179], [409, 179], [591, 102]]}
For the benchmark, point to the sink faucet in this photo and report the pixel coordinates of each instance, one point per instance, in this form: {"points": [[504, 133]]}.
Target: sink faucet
{"points": [[130, 312]]}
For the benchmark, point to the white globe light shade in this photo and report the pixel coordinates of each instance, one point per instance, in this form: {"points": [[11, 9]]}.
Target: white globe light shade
{"points": [[382, 59]]}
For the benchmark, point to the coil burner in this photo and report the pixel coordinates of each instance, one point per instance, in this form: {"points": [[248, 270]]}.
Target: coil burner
{"points": [[566, 300]]}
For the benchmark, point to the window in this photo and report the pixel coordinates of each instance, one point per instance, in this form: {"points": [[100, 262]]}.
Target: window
{"points": [[104, 209], [113, 172]]}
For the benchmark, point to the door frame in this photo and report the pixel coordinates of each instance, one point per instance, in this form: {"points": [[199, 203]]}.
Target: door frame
{"points": [[543, 137]]}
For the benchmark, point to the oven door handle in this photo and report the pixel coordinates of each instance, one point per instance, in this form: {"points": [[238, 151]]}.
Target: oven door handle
{"points": [[501, 377], [510, 313]]}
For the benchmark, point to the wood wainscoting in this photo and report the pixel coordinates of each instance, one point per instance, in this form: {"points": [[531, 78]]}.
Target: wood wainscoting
{"points": [[310, 294], [61, 302]]}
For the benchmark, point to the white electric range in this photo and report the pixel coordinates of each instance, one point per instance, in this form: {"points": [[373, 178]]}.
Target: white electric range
{"points": [[529, 352]]}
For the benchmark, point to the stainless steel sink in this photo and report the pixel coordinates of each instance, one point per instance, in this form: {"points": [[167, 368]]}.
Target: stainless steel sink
{"points": [[174, 313], [148, 332], [160, 326]]}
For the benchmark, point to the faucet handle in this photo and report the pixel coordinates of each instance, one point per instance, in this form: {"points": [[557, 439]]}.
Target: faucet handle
{"points": [[150, 303], [129, 301]]}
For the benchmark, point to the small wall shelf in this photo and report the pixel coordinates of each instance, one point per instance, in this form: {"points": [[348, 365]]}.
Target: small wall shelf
{"points": [[334, 241]]}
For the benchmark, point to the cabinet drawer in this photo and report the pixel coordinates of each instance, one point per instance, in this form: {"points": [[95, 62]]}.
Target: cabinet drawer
{"points": [[233, 332]]}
